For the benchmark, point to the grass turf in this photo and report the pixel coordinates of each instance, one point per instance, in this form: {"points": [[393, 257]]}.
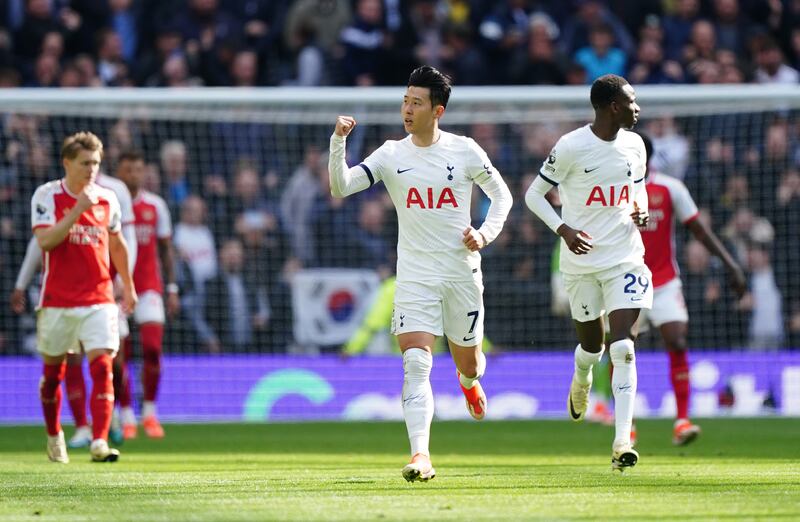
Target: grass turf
{"points": [[552, 470]]}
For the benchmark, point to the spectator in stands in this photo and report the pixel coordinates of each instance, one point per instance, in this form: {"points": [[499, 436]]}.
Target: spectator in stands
{"points": [[766, 330], [771, 67], [323, 18], [244, 69], [590, 14], [463, 60], [45, 72], [297, 202], [196, 249], [236, 307], [204, 24], [111, 66], [730, 25], [365, 43], [540, 64], [671, 155], [678, 27], [174, 168], [709, 301], [264, 241], [367, 243], [123, 20], [600, 57], [167, 42], [521, 281], [787, 255], [700, 53], [746, 228], [310, 62], [40, 20], [650, 66], [503, 32]]}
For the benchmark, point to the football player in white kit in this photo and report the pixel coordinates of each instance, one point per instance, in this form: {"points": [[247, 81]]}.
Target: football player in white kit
{"points": [[599, 170], [429, 176]]}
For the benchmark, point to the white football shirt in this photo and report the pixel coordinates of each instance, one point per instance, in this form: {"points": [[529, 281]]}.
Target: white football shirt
{"points": [[431, 188], [598, 181]]}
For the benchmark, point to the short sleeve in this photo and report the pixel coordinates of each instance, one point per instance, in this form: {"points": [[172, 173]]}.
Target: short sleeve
{"points": [[115, 214], [163, 220], [126, 207], [43, 208], [555, 167], [682, 202], [479, 166]]}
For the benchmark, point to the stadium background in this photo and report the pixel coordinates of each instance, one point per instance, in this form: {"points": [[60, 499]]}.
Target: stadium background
{"points": [[244, 172]]}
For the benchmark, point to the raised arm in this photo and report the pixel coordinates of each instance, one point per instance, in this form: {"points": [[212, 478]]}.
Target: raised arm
{"points": [[345, 180]]}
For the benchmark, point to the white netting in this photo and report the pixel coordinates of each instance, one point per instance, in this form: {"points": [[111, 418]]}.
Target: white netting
{"points": [[254, 159]]}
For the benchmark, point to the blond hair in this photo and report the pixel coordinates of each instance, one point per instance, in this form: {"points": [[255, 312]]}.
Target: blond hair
{"points": [[80, 141]]}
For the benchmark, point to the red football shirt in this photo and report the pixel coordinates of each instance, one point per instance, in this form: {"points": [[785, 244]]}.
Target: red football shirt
{"points": [[76, 272], [667, 197], [152, 223]]}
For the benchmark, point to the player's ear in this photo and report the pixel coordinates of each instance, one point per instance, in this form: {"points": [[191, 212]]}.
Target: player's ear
{"points": [[438, 111]]}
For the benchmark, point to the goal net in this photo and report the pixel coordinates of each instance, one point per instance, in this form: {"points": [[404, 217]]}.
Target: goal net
{"points": [[244, 173]]}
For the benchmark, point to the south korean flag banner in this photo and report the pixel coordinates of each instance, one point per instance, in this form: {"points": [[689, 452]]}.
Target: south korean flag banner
{"points": [[330, 303]]}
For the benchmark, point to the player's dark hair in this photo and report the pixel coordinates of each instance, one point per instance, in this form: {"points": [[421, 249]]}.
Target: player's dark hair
{"points": [[130, 155], [80, 141], [606, 89], [648, 145], [438, 83]]}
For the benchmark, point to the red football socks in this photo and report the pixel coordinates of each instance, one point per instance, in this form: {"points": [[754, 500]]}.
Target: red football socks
{"points": [[152, 335], [76, 394], [50, 395], [102, 399], [679, 374]]}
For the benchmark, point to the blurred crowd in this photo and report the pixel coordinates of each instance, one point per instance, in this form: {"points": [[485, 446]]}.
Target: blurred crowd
{"points": [[174, 43], [250, 203]]}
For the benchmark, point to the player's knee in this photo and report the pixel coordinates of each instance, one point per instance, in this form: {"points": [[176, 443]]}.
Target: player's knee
{"points": [[417, 362], [676, 343], [151, 356], [101, 367]]}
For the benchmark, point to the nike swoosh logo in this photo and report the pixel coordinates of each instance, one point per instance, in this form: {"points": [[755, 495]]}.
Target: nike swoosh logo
{"points": [[575, 415], [404, 170], [590, 170], [470, 339]]}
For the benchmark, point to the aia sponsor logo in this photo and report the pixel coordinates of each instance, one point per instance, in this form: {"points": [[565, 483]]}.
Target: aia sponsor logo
{"points": [[427, 199], [612, 196]]}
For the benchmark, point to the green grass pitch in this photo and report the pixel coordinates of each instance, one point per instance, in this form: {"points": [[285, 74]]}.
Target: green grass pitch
{"points": [[548, 470]]}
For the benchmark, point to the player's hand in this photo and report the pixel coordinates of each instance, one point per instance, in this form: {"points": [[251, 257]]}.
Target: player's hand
{"points": [[473, 239], [344, 125], [173, 305], [86, 199], [18, 301], [640, 218], [129, 299], [578, 241], [738, 282]]}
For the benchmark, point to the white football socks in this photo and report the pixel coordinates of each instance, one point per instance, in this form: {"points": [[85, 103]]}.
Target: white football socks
{"points": [[583, 364], [148, 409], [623, 384], [469, 382], [418, 398]]}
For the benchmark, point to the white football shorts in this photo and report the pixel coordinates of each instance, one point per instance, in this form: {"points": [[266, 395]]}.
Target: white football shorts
{"points": [[59, 330], [150, 308], [450, 308], [619, 288], [668, 306]]}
